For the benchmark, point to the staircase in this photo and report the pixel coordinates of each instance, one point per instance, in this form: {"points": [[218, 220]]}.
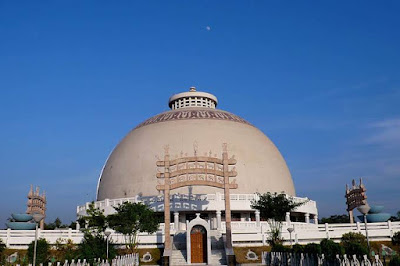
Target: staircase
{"points": [[179, 254], [217, 257], [178, 257]]}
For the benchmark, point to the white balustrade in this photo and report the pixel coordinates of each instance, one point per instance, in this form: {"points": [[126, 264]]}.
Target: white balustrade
{"points": [[243, 233]]}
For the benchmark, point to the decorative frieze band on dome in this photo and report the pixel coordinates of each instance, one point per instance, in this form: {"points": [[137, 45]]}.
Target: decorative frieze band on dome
{"points": [[193, 114]]}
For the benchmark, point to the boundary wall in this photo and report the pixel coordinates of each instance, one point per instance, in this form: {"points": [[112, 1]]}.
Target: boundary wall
{"points": [[243, 234]]}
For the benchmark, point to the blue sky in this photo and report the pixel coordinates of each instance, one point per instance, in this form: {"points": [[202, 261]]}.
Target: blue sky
{"points": [[320, 78]]}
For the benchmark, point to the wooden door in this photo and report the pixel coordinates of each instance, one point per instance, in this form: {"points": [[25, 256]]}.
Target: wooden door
{"points": [[198, 244]]}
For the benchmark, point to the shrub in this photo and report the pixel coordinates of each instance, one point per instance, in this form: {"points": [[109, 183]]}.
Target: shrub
{"points": [[2, 249], [65, 249], [95, 246], [355, 244], [2, 246], [394, 261], [330, 249], [42, 251], [297, 248], [312, 248], [396, 239], [280, 248]]}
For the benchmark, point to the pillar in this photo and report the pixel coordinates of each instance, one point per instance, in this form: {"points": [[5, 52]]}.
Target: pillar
{"points": [[351, 217], [307, 217], [315, 219], [287, 219], [219, 226], [257, 214], [176, 221]]}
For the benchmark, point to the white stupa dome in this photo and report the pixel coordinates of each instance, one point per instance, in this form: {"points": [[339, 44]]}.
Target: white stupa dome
{"points": [[194, 125]]}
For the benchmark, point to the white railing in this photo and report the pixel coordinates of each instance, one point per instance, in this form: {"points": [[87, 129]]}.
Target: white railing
{"points": [[293, 259], [243, 233], [126, 260], [195, 202], [311, 233]]}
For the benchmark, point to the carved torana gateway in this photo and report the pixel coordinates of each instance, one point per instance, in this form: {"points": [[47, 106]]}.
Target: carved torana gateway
{"points": [[37, 204], [355, 196], [197, 171]]}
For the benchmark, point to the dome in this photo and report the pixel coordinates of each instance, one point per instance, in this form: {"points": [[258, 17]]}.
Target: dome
{"points": [[193, 126]]}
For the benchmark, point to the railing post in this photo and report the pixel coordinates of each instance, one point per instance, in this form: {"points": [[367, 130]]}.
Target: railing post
{"points": [[287, 218], [264, 242], [358, 227], [257, 214], [69, 233], [390, 228], [327, 230], [107, 202], [8, 237]]}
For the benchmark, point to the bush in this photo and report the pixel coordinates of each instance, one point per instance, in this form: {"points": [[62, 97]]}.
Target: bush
{"points": [[65, 250], [297, 248], [95, 246], [330, 249], [396, 239], [354, 244], [394, 261], [2, 246], [280, 248], [42, 251], [312, 248], [2, 249]]}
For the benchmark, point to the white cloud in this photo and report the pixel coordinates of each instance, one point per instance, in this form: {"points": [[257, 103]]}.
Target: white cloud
{"points": [[386, 133]]}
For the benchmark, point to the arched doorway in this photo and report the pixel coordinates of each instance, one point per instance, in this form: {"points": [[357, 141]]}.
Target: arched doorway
{"points": [[198, 243]]}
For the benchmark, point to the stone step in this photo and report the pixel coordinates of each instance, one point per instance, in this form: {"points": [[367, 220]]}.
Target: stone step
{"points": [[178, 257]]}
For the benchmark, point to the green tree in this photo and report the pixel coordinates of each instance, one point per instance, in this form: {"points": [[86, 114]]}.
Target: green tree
{"points": [[94, 242], [56, 224], [354, 244], [331, 249], [132, 219], [94, 246], [273, 208], [335, 219], [65, 250], [95, 220], [42, 251]]}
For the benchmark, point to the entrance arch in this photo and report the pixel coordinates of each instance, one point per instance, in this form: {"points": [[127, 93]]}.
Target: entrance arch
{"points": [[198, 241]]}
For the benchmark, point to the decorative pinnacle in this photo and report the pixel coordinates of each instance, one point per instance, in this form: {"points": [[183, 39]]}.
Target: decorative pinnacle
{"points": [[192, 89]]}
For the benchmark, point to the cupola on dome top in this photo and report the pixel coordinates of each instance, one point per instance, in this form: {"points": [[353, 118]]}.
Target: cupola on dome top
{"points": [[193, 98]]}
